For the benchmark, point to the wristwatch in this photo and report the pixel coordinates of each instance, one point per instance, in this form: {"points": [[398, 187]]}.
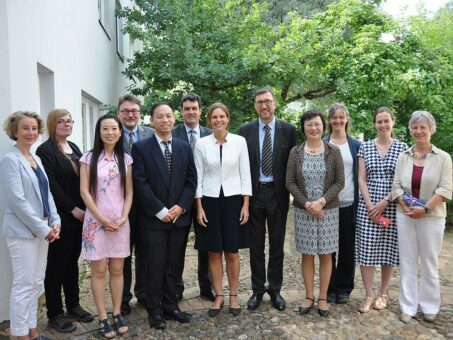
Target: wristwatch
{"points": [[427, 210]]}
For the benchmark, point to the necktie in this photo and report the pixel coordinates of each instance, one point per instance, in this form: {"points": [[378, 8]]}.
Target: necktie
{"points": [[131, 138], [192, 139], [266, 152], [167, 155]]}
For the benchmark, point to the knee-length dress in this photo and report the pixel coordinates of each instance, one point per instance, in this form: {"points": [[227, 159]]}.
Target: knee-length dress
{"points": [[376, 245], [98, 243], [313, 235]]}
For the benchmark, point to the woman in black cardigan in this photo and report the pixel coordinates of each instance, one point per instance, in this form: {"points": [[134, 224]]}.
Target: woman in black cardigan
{"points": [[60, 159]]}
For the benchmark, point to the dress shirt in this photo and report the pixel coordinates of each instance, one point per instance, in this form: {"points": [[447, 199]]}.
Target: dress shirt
{"points": [[161, 214], [262, 132], [436, 178], [128, 132], [232, 174]]}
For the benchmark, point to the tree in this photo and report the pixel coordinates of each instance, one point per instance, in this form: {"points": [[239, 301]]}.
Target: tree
{"points": [[220, 50], [223, 50]]}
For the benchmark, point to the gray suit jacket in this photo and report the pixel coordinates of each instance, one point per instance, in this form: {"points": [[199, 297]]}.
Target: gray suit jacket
{"points": [[143, 132], [179, 131], [24, 209], [284, 140]]}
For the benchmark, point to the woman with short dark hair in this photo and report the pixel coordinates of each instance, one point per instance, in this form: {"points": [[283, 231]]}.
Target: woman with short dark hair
{"points": [[315, 177]]}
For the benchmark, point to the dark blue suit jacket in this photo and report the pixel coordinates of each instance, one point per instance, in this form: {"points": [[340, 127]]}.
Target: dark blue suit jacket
{"points": [[156, 189]]}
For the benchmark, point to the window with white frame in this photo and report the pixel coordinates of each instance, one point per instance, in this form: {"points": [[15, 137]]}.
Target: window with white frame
{"points": [[91, 110], [105, 16], [119, 33]]}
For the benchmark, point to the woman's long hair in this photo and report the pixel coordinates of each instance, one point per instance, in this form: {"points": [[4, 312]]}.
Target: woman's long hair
{"points": [[98, 148]]}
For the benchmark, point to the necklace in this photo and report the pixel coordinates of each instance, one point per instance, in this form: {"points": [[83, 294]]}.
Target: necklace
{"points": [[314, 151], [383, 147], [418, 156]]}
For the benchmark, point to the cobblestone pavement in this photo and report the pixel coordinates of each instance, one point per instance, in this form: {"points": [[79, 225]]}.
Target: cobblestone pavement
{"points": [[344, 321]]}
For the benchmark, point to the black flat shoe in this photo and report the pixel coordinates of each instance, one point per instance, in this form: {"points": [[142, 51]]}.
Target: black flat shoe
{"points": [[254, 301], [213, 312], [235, 311], [277, 300], [61, 323], [305, 310], [80, 314], [178, 315], [341, 298], [331, 297], [323, 312], [157, 322]]}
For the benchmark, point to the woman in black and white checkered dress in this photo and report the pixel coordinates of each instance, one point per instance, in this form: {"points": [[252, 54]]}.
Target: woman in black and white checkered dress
{"points": [[377, 245]]}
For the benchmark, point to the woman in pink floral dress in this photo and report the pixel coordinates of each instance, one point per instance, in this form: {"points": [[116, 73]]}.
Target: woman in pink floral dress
{"points": [[106, 189]]}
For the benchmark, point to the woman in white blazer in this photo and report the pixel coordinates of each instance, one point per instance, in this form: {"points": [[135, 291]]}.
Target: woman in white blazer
{"points": [[222, 200], [30, 221]]}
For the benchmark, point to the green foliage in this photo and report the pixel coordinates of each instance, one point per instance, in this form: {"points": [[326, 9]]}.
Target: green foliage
{"points": [[224, 50]]}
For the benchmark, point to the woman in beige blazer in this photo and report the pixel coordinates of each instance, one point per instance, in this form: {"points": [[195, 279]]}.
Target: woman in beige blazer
{"points": [[424, 172]]}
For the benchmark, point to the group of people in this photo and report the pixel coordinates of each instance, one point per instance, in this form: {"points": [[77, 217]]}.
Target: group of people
{"points": [[139, 190]]}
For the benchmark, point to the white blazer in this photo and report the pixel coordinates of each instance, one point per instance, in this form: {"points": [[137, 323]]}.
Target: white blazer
{"points": [[232, 175], [24, 209]]}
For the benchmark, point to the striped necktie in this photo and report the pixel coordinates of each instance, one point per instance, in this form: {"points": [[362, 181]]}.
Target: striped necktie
{"points": [[266, 153]]}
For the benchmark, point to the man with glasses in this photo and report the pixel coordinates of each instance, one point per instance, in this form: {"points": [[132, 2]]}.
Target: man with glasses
{"points": [[190, 131], [269, 141], [129, 115]]}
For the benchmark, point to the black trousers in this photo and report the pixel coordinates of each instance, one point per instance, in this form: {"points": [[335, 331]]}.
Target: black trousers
{"points": [[264, 208], [203, 264], [140, 278], [63, 271], [162, 250], [343, 268]]}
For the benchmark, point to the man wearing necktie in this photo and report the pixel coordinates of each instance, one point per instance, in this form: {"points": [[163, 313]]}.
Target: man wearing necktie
{"points": [[165, 180], [190, 131], [269, 141], [129, 115]]}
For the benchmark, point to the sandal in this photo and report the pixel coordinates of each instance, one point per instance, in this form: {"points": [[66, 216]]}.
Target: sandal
{"points": [[107, 330], [380, 303], [120, 325], [366, 305]]}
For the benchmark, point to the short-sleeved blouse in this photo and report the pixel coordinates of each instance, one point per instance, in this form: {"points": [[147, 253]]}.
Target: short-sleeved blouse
{"points": [[98, 243]]}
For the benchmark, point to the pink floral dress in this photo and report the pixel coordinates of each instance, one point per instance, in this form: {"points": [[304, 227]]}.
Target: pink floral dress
{"points": [[98, 243]]}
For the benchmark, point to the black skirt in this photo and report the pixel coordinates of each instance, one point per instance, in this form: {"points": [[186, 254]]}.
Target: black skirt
{"points": [[223, 232]]}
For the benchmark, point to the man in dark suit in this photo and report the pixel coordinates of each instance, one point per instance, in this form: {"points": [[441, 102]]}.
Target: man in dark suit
{"points": [[269, 141], [129, 115], [165, 180], [190, 131]]}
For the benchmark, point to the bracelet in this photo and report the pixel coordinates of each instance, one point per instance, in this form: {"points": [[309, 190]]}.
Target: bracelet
{"points": [[322, 203], [124, 220]]}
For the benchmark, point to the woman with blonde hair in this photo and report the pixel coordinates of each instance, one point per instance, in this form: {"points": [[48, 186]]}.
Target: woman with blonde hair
{"points": [[60, 159], [30, 221]]}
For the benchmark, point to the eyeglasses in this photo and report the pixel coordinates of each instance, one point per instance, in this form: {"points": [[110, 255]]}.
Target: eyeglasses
{"points": [[127, 112], [266, 102], [65, 122]]}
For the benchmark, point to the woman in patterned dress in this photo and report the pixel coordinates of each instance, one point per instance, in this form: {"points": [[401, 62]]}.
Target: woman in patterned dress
{"points": [[106, 189], [315, 177], [376, 243]]}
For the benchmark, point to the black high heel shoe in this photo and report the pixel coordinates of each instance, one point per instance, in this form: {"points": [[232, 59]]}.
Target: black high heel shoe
{"points": [[305, 310], [213, 312], [323, 312], [235, 311]]}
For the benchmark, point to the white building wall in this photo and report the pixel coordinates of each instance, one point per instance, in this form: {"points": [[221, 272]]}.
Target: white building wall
{"points": [[65, 38]]}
